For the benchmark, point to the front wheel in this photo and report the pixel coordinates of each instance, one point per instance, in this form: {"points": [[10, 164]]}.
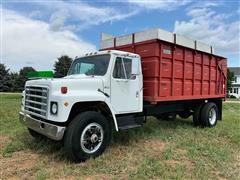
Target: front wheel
{"points": [[87, 136]]}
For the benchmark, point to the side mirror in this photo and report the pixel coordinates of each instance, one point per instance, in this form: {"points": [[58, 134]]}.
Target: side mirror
{"points": [[135, 66]]}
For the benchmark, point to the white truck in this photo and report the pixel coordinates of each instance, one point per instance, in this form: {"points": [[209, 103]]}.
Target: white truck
{"points": [[104, 91], [80, 103]]}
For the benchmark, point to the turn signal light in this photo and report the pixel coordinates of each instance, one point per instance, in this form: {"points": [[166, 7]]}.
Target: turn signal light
{"points": [[64, 90]]}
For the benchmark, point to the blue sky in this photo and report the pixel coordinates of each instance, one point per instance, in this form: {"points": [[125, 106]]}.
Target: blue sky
{"points": [[35, 33]]}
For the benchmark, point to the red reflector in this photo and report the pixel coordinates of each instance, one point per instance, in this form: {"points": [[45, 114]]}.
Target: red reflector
{"points": [[64, 90]]}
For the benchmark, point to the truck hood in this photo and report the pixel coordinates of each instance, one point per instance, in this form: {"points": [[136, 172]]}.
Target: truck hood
{"points": [[72, 82]]}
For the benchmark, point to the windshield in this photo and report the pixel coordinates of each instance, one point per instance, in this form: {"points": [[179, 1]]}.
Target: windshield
{"points": [[92, 65]]}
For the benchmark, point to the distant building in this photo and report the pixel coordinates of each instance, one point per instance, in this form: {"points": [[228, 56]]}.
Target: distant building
{"points": [[235, 90]]}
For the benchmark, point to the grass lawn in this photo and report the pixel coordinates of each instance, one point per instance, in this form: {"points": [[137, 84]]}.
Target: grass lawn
{"points": [[159, 150]]}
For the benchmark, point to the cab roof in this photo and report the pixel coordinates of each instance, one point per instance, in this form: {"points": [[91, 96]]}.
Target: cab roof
{"points": [[116, 52]]}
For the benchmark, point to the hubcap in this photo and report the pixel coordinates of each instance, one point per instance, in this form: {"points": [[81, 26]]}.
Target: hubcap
{"points": [[91, 138], [212, 116]]}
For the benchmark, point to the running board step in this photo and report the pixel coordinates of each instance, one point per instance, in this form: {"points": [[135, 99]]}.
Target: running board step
{"points": [[122, 128], [129, 121]]}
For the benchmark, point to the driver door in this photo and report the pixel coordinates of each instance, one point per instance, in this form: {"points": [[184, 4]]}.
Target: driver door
{"points": [[125, 87]]}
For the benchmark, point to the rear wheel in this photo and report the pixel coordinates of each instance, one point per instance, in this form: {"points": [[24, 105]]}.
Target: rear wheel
{"points": [[197, 115], [209, 115], [87, 136]]}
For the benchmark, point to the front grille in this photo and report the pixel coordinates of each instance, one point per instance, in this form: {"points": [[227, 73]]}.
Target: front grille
{"points": [[36, 100]]}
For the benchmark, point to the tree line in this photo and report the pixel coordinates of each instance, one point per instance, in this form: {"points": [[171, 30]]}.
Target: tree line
{"points": [[15, 81]]}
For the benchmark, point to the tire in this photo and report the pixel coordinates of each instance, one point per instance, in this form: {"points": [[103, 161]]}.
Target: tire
{"points": [[197, 115], [209, 115], [167, 117], [36, 135], [87, 136]]}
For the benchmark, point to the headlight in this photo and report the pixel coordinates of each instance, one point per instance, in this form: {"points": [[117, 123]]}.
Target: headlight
{"points": [[54, 107]]}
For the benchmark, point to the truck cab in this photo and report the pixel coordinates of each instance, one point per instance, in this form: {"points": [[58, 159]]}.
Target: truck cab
{"points": [[101, 84]]}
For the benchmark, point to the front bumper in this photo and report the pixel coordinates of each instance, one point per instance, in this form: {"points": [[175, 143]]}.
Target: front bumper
{"points": [[52, 131]]}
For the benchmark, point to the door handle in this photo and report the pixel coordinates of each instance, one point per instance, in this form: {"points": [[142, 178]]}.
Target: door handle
{"points": [[122, 81], [137, 94]]}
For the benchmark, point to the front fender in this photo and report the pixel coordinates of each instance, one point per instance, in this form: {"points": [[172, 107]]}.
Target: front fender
{"points": [[73, 98]]}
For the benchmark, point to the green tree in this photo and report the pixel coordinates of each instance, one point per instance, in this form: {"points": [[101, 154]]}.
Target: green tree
{"points": [[22, 78], [62, 65], [14, 76], [5, 83], [230, 78]]}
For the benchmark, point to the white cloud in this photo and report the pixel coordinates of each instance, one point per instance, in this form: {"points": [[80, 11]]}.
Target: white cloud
{"points": [[28, 42], [203, 4], [78, 15], [35, 14], [212, 28], [167, 5], [83, 14], [57, 20]]}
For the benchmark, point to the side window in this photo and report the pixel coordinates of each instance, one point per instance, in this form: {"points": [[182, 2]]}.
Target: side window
{"points": [[123, 68], [118, 71], [235, 90], [128, 67]]}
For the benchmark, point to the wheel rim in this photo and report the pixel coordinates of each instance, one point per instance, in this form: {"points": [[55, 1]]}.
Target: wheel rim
{"points": [[212, 116], [91, 138]]}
